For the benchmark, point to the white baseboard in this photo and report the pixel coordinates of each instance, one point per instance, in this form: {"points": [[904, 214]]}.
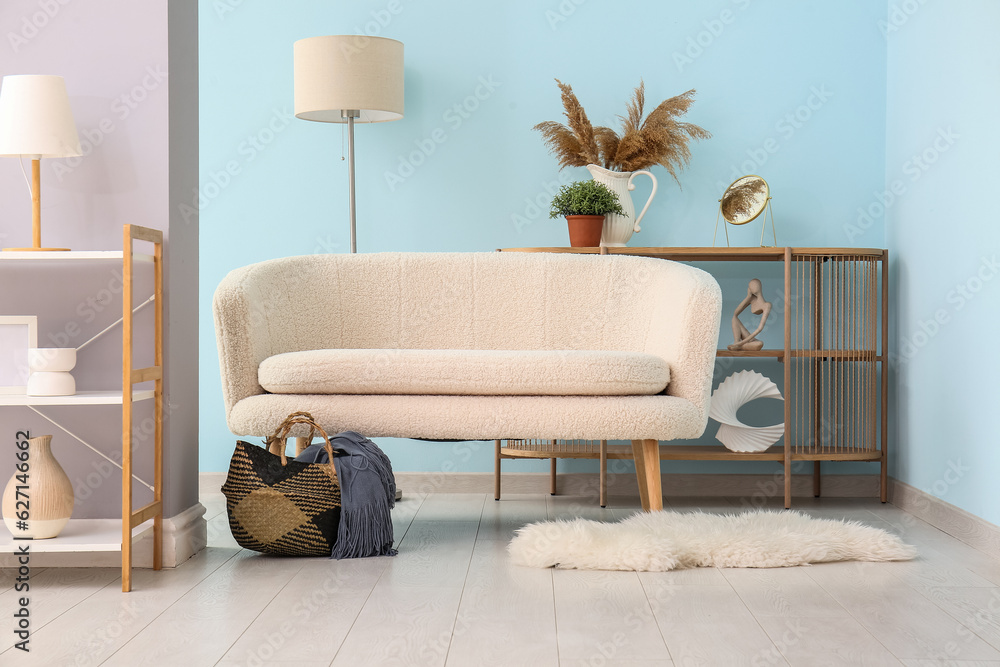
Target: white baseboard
{"points": [[184, 535], [969, 528]]}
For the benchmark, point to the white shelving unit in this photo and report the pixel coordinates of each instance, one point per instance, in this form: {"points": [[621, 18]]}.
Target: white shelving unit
{"points": [[94, 541]]}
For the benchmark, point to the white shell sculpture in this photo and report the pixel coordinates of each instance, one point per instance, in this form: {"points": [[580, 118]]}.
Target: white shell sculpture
{"points": [[734, 392]]}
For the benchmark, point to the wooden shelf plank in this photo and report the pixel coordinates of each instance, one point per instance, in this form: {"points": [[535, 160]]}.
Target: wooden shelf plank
{"points": [[670, 452], [732, 254], [614, 452], [667, 452], [112, 397], [751, 353], [860, 355], [717, 453], [839, 456]]}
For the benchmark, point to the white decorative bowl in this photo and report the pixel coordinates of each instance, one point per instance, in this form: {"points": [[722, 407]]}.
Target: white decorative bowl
{"points": [[51, 359], [733, 393], [47, 383]]}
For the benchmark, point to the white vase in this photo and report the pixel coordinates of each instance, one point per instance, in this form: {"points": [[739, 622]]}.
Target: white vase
{"points": [[618, 228], [47, 500]]}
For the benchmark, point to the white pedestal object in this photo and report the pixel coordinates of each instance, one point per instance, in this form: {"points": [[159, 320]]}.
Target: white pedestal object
{"points": [[50, 371]]}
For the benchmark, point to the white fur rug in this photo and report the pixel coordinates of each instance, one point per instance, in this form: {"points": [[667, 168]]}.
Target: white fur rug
{"points": [[660, 541]]}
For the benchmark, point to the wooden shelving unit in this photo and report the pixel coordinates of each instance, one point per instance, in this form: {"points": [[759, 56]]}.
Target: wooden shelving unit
{"points": [[833, 358], [113, 535]]}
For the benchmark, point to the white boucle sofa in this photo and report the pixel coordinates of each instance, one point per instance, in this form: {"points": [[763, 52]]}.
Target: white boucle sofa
{"points": [[473, 346]]}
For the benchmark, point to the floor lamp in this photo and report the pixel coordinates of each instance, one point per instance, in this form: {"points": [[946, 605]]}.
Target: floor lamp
{"points": [[349, 79], [36, 120]]}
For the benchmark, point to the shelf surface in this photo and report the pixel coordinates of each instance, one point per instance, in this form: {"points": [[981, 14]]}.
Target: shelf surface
{"points": [[113, 397], [79, 535], [751, 353], [732, 254], [857, 355], [670, 452], [850, 355], [116, 255]]}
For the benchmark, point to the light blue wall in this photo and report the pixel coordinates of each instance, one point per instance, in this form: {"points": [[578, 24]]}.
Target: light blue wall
{"points": [[942, 146], [805, 81]]}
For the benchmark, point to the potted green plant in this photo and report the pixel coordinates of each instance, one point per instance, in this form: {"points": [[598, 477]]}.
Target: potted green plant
{"points": [[584, 205]]}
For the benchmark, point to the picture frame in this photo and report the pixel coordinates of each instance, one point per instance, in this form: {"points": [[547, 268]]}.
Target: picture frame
{"points": [[18, 334]]}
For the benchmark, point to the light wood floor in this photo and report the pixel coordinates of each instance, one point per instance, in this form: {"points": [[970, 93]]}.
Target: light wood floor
{"points": [[452, 599]]}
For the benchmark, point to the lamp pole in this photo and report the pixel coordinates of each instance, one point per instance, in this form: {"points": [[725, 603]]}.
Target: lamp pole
{"points": [[350, 115]]}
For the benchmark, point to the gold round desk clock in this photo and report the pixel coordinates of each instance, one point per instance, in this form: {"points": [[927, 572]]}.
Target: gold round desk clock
{"points": [[742, 202]]}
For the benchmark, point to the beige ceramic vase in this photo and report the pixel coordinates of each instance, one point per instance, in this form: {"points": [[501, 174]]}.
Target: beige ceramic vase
{"points": [[49, 495]]}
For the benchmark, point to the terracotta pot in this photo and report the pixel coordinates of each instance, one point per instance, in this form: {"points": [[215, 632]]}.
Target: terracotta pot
{"points": [[585, 230]]}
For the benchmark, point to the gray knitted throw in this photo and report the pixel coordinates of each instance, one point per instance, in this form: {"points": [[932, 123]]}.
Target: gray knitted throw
{"points": [[367, 494]]}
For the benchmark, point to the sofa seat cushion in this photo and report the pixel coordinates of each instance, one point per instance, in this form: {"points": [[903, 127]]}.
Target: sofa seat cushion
{"points": [[465, 372]]}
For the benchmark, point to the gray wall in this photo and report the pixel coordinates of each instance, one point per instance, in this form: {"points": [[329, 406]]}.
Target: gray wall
{"points": [[131, 74]]}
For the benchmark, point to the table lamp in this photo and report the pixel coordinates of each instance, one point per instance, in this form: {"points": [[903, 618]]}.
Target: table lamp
{"points": [[349, 79], [36, 120]]}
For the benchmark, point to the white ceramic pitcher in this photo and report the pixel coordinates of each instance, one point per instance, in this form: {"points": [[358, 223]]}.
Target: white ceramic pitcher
{"points": [[618, 229]]}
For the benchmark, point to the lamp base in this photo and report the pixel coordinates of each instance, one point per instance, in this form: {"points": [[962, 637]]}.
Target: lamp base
{"points": [[36, 249]]}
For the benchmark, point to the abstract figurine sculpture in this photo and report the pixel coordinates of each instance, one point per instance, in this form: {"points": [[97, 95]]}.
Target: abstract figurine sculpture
{"points": [[742, 338], [733, 393]]}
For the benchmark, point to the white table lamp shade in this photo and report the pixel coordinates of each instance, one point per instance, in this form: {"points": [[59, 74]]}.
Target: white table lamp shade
{"points": [[335, 73], [35, 117]]}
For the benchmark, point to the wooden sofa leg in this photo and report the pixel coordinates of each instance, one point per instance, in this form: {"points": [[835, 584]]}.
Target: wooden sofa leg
{"points": [[604, 473], [301, 444], [647, 471], [496, 473]]}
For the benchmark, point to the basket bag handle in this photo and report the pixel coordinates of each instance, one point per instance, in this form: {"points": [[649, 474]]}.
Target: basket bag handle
{"points": [[295, 418]]}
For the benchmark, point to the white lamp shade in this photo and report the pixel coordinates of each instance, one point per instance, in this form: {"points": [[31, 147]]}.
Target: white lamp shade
{"points": [[35, 117], [336, 73]]}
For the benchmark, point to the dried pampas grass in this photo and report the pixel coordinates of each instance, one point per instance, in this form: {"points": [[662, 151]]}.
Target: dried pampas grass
{"points": [[659, 139]]}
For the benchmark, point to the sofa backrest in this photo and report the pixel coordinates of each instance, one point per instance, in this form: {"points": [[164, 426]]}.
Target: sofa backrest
{"points": [[509, 301]]}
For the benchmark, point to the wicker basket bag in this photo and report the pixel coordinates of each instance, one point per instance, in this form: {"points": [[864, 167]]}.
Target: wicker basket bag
{"points": [[282, 507]]}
